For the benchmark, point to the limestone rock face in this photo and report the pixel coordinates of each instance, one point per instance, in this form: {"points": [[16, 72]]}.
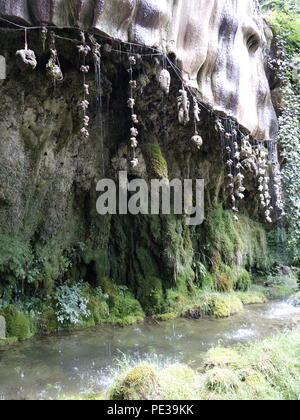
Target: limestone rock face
{"points": [[219, 44], [2, 328]]}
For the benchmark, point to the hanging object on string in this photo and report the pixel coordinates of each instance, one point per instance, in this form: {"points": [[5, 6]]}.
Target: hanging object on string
{"points": [[44, 33], [26, 57], [165, 81], [84, 50], [53, 66], [134, 118], [183, 105], [196, 111], [196, 139]]}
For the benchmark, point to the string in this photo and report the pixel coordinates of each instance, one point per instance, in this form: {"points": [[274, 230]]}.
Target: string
{"points": [[155, 52]]}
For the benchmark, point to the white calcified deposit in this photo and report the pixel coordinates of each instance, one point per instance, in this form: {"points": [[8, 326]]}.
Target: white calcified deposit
{"points": [[219, 44]]}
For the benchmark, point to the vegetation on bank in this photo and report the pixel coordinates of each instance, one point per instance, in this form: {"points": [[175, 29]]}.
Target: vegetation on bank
{"points": [[284, 65], [233, 269], [265, 370], [91, 307]]}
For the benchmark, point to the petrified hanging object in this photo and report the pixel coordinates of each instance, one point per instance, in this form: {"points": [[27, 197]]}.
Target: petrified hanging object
{"points": [[134, 118], [44, 33], [263, 182], [196, 111], [197, 140], [131, 103], [165, 81], [53, 66], [26, 58], [84, 50], [183, 105]]}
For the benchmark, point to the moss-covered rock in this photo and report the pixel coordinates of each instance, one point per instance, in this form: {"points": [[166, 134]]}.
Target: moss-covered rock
{"points": [[219, 305], [126, 310], [139, 383], [150, 294], [222, 357], [252, 297], [17, 323], [222, 305]]}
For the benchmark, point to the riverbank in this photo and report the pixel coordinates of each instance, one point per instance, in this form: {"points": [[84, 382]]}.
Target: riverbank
{"points": [[264, 370], [87, 361], [120, 308]]}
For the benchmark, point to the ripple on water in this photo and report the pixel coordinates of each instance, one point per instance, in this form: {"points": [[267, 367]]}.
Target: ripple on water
{"points": [[241, 334], [282, 310]]}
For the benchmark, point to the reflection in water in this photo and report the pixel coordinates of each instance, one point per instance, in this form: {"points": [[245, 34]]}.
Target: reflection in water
{"points": [[74, 362]]}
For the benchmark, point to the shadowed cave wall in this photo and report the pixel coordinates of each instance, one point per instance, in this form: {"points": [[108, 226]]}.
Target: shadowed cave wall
{"points": [[50, 230]]}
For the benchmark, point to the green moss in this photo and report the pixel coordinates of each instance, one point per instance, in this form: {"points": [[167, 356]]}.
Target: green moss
{"points": [[6, 342], [166, 317], [222, 357], [262, 370], [48, 321], [150, 294], [278, 292], [242, 243], [98, 308], [17, 323], [208, 281], [222, 306], [252, 378], [223, 278], [157, 166], [222, 380], [251, 297], [242, 279], [176, 302], [126, 310], [265, 370], [178, 382], [140, 383], [109, 288]]}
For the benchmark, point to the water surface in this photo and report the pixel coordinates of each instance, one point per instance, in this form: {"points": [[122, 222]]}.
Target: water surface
{"points": [[85, 361]]}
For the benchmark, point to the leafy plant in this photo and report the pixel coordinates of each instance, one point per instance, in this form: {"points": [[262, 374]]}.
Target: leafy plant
{"points": [[71, 306]]}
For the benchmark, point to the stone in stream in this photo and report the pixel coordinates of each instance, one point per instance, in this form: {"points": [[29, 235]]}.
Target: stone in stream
{"points": [[2, 328]]}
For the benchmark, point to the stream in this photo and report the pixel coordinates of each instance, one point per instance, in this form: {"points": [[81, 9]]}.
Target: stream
{"points": [[70, 363]]}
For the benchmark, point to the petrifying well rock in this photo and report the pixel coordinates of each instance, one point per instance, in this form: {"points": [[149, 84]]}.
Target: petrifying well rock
{"points": [[218, 43]]}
